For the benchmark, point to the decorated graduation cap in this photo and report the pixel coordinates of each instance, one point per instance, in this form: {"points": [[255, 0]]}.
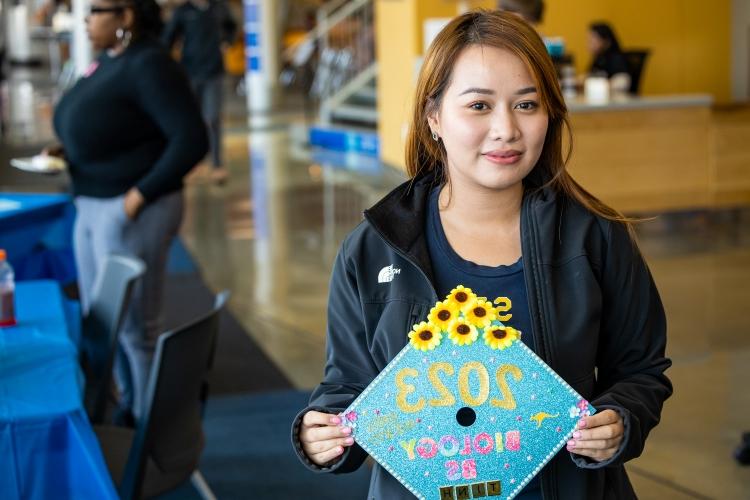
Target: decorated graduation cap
{"points": [[465, 410]]}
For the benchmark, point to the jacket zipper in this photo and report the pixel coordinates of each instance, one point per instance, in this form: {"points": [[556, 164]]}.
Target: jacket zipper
{"points": [[533, 278], [535, 294]]}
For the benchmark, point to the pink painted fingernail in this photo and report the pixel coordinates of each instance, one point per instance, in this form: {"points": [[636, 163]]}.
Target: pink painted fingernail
{"points": [[335, 420], [582, 423], [349, 440], [346, 430], [576, 434], [571, 444]]}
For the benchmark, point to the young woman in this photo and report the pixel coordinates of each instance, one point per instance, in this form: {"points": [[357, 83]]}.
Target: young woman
{"points": [[130, 129], [491, 206]]}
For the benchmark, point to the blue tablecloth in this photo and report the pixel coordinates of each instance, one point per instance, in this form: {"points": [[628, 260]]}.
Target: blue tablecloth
{"points": [[36, 230], [47, 445]]}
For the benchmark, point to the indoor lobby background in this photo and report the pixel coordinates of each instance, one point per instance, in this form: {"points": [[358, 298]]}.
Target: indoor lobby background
{"points": [[315, 114]]}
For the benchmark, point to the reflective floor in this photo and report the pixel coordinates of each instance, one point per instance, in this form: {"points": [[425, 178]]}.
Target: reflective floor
{"points": [[271, 232]]}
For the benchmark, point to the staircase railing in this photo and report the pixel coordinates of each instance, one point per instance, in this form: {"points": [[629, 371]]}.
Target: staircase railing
{"points": [[345, 42]]}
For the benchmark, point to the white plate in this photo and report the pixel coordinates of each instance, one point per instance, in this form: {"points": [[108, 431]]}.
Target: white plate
{"points": [[40, 164]]}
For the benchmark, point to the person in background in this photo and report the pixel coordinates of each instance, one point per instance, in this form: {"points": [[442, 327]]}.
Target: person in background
{"points": [[607, 56], [130, 130], [742, 453], [490, 205], [530, 11], [205, 28]]}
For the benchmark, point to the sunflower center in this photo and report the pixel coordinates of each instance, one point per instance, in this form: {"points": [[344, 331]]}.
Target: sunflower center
{"points": [[463, 329], [425, 335], [499, 334], [479, 312], [444, 315], [461, 297]]}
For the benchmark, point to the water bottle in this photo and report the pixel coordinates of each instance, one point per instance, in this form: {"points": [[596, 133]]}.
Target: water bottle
{"points": [[7, 292]]}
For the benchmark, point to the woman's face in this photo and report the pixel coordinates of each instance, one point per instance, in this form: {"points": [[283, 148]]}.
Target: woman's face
{"points": [[490, 120], [596, 43], [103, 21]]}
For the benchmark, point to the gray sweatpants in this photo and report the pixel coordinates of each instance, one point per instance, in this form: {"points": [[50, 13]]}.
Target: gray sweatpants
{"points": [[102, 228]]}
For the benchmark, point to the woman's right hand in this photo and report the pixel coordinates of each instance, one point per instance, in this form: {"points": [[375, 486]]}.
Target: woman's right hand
{"points": [[322, 439], [54, 150]]}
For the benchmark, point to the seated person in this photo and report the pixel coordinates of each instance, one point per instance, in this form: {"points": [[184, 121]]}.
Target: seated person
{"points": [[608, 58]]}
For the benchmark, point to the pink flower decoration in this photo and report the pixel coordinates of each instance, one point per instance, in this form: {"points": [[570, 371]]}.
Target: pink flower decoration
{"points": [[351, 416], [507, 466], [583, 405]]}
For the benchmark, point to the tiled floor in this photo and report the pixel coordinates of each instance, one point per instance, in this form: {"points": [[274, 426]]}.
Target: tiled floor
{"points": [[271, 232]]}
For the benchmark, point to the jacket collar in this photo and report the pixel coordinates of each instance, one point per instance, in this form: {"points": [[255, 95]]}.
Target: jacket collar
{"points": [[399, 217]]}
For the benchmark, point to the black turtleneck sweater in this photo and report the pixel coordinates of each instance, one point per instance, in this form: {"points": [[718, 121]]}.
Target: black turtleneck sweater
{"points": [[131, 120]]}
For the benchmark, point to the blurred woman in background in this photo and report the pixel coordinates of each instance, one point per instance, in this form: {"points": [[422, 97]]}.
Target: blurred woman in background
{"points": [[130, 130]]}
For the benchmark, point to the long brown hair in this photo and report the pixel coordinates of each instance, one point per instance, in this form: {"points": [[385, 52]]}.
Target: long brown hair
{"points": [[507, 31]]}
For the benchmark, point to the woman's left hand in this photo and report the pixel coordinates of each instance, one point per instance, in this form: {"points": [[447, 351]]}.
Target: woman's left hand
{"points": [[133, 203], [598, 436]]}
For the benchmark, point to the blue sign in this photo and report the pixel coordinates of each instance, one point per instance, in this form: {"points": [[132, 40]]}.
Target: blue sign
{"points": [[253, 37]]}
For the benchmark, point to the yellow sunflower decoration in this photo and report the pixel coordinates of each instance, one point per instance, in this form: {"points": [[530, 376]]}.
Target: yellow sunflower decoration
{"points": [[461, 332], [481, 313], [425, 336], [443, 314], [461, 297], [500, 337]]}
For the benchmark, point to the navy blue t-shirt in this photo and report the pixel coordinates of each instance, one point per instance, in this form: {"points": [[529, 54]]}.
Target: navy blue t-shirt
{"points": [[505, 283]]}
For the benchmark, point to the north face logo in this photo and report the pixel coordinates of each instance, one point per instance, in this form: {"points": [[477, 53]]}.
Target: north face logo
{"points": [[387, 274]]}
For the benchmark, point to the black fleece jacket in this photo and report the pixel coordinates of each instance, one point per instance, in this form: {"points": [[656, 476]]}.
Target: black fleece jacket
{"points": [[597, 320]]}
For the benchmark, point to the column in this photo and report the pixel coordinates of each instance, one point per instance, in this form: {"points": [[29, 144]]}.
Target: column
{"points": [[399, 39], [262, 40], [18, 41], [80, 50]]}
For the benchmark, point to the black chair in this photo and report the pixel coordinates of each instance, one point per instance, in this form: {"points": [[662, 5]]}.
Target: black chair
{"points": [[164, 449], [100, 328], [636, 60]]}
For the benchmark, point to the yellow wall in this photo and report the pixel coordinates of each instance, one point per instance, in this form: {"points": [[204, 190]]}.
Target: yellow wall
{"points": [[690, 47], [395, 38], [399, 43], [690, 40]]}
